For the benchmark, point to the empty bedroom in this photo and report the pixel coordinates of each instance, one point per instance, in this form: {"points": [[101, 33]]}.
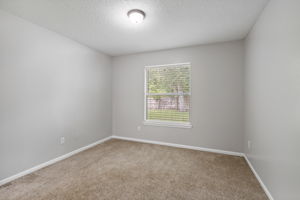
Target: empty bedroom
{"points": [[149, 99]]}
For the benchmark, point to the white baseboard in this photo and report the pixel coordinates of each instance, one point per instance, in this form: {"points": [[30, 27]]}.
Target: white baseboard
{"points": [[232, 153], [258, 178], [50, 162], [203, 149]]}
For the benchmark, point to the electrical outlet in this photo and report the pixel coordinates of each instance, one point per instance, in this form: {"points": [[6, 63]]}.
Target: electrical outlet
{"points": [[249, 144], [139, 128], [62, 140]]}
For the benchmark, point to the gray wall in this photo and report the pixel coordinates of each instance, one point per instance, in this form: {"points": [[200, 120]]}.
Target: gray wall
{"points": [[50, 87], [273, 98], [217, 96]]}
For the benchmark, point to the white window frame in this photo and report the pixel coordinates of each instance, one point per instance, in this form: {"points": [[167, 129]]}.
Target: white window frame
{"points": [[160, 122]]}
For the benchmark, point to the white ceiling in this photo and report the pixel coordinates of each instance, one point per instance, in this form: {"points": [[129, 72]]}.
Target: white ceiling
{"points": [[103, 24]]}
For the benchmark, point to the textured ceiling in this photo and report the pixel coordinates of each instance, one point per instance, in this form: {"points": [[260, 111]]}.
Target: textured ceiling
{"points": [[103, 24]]}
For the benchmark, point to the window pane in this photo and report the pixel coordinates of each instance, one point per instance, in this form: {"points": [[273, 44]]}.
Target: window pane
{"points": [[168, 107], [174, 79]]}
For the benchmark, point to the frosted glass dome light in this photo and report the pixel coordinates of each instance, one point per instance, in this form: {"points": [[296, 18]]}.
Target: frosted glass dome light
{"points": [[136, 16]]}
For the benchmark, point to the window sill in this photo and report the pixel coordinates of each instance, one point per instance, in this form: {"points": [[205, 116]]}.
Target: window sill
{"points": [[168, 124]]}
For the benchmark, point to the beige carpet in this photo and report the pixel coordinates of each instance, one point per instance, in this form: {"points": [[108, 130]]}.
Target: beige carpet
{"points": [[135, 171]]}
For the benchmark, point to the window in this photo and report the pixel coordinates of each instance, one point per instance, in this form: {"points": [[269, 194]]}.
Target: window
{"points": [[168, 95]]}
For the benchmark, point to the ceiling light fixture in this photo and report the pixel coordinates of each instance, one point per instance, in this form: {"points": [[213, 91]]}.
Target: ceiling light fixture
{"points": [[136, 16]]}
